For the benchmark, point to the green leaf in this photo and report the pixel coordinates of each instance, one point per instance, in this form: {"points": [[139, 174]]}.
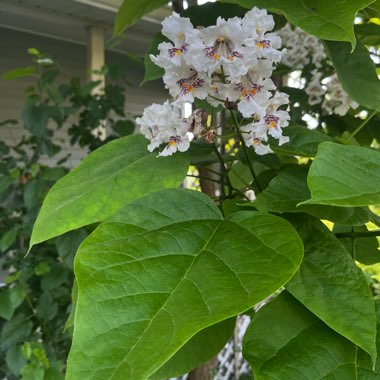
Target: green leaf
{"points": [[15, 331], [179, 278], [286, 341], [207, 14], [19, 73], [46, 308], [10, 300], [289, 188], [200, 348], [364, 86], [35, 117], [105, 181], [8, 239], [302, 141], [365, 369], [54, 278], [330, 285], [15, 360], [343, 175], [363, 249], [325, 19], [131, 11], [152, 71], [33, 193]]}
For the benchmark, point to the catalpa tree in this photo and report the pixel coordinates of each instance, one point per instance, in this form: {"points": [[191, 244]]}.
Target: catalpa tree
{"points": [[284, 122]]}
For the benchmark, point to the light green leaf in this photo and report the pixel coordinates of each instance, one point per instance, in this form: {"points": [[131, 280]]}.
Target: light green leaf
{"points": [[286, 341], [364, 86], [19, 73], [10, 300], [343, 175], [199, 349], [105, 181], [325, 19], [131, 11], [289, 188], [181, 278], [330, 285], [302, 141]]}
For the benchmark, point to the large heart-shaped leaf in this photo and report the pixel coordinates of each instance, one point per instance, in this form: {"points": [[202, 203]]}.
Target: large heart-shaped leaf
{"points": [[105, 181], [286, 341], [344, 175], [149, 292], [289, 188], [325, 19], [330, 285], [364, 86]]}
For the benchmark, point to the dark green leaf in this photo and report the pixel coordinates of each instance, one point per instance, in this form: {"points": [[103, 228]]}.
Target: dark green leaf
{"points": [[54, 278], [344, 175], [330, 285], [10, 300], [8, 239], [199, 349], [124, 127], [35, 117], [46, 308], [15, 359], [106, 180], [364, 86], [286, 341], [34, 193], [302, 141], [153, 71], [289, 188], [207, 14], [363, 249], [15, 331]]}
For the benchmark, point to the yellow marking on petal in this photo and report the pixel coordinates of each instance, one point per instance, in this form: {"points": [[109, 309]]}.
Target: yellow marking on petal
{"points": [[172, 143], [252, 91], [221, 39], [216, 56], [244, 92], [230, 58], [272, 124], [178, 52], [260, 45], [256, 142]]}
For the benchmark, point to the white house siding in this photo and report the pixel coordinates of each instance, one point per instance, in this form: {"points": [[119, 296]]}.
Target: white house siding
{"points": [[72, 59]]}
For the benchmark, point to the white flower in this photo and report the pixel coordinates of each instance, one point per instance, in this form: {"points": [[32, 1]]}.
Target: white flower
{"points": [[223, 45], [183, 35], [175, 143], [185, 83], [163, 123], [336, 99], [314, 89], [253, 92], [255, 135]]}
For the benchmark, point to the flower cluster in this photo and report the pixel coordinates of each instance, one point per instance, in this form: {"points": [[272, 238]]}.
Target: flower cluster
{"points": [[231, 61], [304, 49]]}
